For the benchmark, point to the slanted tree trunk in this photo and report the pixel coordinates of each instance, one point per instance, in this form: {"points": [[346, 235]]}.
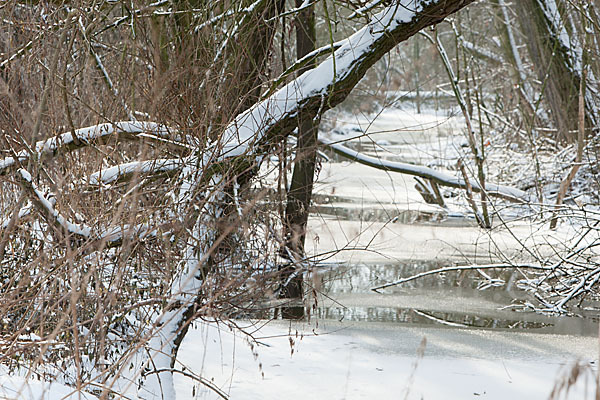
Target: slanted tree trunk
{"points": [[264, 124], [248, 56], [553, 63]]}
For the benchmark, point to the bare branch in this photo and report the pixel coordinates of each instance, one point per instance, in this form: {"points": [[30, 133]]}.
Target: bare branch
{"points": [[52, 216], [124, 172], [459, 268], [505, 192]]}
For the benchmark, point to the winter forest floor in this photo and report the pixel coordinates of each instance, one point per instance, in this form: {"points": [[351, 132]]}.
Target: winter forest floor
{"points": [[458, 335]]}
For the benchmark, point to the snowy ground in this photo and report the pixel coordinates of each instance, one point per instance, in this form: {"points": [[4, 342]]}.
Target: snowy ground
{"points": [[366, 361], [14, 387]]}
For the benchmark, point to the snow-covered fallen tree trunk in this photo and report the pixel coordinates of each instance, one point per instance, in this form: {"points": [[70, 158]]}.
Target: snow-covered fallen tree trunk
{"points": [[170, 327], [327, 85], [505, 192], [124, 172], [62, 225]]}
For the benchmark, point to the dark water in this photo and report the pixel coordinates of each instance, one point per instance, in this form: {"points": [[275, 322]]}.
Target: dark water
{"points": [[453, 299], [424, 317]]}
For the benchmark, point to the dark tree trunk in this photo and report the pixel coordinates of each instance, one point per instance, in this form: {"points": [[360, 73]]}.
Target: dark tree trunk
{"points": [[257, 35], [300, 192]]}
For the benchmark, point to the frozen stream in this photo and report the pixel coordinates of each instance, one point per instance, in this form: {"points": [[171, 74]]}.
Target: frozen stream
{"points": [[436, 338]]}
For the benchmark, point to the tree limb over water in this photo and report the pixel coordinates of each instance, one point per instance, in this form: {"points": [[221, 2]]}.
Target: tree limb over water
{"points": [[441, 178]]}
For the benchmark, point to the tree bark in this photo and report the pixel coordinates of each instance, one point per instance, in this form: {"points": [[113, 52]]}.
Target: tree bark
{"points": [[300, 192], [262, 125], [553, 66]]}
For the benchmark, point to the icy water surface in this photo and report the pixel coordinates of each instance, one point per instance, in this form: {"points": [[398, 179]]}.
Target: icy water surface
{"points": [[437, 338], [452, 300], [372, 227], [371, 240]]}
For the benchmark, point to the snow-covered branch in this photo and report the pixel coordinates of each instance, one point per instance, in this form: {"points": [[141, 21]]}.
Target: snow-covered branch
{"points": [[23, 212], [115, 236], [481, 52], [505, 192], [325, 86], [124, 172], [52, 216], [170, 327], [96, 134]]}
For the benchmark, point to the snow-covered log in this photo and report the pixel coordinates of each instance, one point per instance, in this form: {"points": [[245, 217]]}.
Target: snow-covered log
{"points": [[46, 208], [170, 327], [505, 192], [124, 171]]}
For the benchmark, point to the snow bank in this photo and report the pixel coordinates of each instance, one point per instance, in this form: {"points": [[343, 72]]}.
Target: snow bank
{"points": [[14, 387]]}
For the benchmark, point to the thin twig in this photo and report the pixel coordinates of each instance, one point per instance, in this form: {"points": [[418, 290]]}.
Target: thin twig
{"points": [[459, 268]]}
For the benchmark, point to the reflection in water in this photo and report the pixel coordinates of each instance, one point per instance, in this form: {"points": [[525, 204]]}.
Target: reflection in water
{"points": [[385, 215], [326, 205], [414, 316], [361, 278], [486, 308]]}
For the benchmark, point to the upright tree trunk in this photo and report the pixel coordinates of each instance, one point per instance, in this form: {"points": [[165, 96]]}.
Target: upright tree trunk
{"points": [[300, 192], [252, 56], [504, 27]]}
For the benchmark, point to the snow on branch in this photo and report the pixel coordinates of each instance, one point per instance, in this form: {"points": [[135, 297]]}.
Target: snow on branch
{"points": [[328, 84], [305, 4], [23, 212], [52, 216], [211, 22], [169, 328], [441, 178], [585, 284], [123, 172], [307, 59], [115, 236], [362, 11], [83, 137]]}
